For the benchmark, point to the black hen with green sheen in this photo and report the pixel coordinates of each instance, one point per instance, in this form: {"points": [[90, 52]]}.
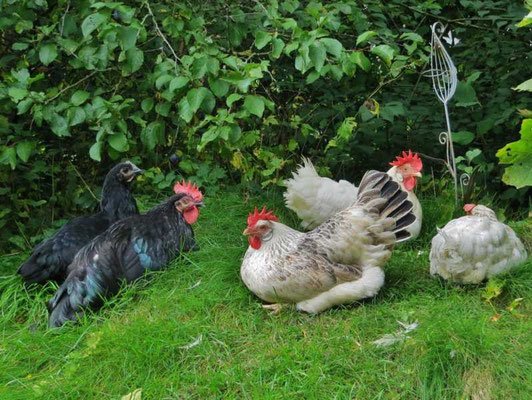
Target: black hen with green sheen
{"points": [[51, 257], [124, 253]]}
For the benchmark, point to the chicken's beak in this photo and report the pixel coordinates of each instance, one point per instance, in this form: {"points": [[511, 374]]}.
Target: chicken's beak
{"points": [[417, 174], [137, 171], [248, 231], [200, 204]]}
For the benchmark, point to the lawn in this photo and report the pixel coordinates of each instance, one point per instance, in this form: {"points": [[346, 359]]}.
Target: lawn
{"points": [[195, 332]]}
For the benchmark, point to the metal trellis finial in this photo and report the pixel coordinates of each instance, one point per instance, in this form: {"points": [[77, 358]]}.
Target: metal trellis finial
{"points": [[444, 81]]}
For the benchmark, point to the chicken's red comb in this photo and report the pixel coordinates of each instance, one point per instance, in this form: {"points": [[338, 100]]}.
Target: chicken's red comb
{"points": [[412, 159], [189, 189], [254, 217]]}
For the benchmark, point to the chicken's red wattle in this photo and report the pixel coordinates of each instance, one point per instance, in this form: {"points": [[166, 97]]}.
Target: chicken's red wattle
{"points": [[409, 183], [191, 215], [254, 241]]}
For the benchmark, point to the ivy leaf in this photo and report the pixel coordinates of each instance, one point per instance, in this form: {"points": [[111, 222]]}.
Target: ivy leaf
{"points": [[317, 54], [364, 37], [333, 46], [92, 22], [79, 97], [118, 141], [384, 52], [24, 150], [255, 105], [48, 53], [262, 38], [95, 152]]}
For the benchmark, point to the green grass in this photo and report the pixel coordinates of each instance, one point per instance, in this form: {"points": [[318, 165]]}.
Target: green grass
{"points": [[139, 339]]}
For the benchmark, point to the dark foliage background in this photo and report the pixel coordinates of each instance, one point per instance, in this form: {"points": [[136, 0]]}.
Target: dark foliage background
{"points": [[240, 90]]}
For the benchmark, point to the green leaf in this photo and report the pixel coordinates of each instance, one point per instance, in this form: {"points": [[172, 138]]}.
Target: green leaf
{"points": [[463, 137], [200, 97], [255, 105], [232, 98], [24, 150], [472, 154], [79, 97], [384, 52], [364, 37], [118, 141], [178, 83], [153, 134], [361, 60], [162, 80], [519, 154], [48, 53], [75, 116], [59, 125], [525, 86], [95, 152], [9, 156], [527, 20], [147, 105], [333, 46], [312, 77], [24, 106], [16, 93], [465, 95], [345, 131], [317, 54], [92, 22], [127, 37], [277, 48], [134, 60], [262, 38], [185, 111], [218, 87]]}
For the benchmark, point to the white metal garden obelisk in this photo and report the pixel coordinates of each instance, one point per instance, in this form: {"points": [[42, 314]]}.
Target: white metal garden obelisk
{"points": [[444, 81]]}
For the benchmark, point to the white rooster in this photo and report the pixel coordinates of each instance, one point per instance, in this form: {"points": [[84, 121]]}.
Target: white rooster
{"points": [[477, 246], [315, 198], [339, 262]]}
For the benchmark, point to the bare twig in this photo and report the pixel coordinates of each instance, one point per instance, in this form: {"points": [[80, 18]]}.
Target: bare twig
{"points": [[63, 18], [85, 183], [161, 35], [73, 85]]}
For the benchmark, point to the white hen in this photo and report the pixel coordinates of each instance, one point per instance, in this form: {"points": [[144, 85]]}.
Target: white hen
{"points": [[338, 262], [477, 246], [315, 199]]}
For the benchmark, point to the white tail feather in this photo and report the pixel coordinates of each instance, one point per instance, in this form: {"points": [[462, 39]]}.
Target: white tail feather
{"points": [[314, 198]]}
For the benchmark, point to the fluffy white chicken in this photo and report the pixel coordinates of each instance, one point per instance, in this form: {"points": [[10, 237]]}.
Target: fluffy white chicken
{"points": [[477, 246], [339, 262], [315, 198]]}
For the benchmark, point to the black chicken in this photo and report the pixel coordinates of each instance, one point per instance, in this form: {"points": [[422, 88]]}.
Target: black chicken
{"points": [[52, 256], [125, 252]]}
